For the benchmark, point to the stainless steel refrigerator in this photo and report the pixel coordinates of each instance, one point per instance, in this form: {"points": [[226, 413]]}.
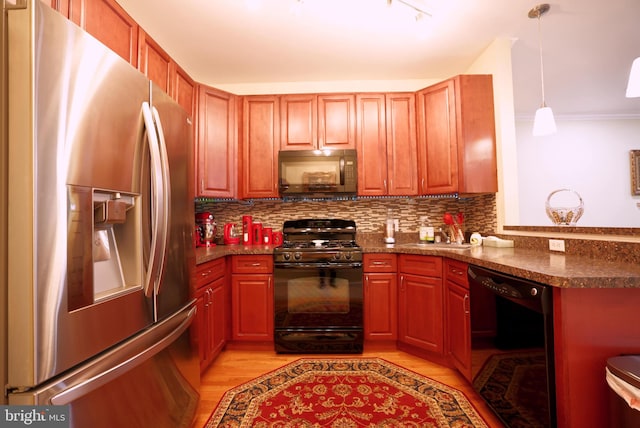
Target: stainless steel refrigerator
{"points": [[97, 231]]}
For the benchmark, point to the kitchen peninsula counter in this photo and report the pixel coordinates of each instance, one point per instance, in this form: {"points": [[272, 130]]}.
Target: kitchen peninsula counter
{"points": [[555, 269], [551, 268]]}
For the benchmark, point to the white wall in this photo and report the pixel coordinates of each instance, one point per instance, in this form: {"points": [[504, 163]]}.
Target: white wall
{"points": [[589, 156], [496, 60]]}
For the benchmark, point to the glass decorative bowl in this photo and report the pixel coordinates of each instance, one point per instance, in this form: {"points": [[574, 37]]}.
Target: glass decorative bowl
{"points": [[566, 214]]}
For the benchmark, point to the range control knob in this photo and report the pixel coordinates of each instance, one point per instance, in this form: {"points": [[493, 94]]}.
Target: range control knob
{"points": [[347, 256], [336, 256], [297, 255], [286, 256]]}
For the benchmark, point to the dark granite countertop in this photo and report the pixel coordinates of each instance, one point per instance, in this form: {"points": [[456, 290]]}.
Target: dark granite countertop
{"points": [[555, 269]]}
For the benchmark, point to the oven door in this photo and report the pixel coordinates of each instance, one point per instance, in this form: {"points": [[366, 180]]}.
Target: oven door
{"points": [[318, 308]]}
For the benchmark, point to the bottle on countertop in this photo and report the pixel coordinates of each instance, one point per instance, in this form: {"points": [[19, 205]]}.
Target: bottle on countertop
{"points": [[390, 227], [427, 231]]}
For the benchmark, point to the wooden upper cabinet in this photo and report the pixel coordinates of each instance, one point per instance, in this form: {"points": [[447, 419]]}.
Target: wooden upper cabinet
{"points": [[402, 146], [371, 144], [456, 136], [386, 144], [260, 143], [183, 89], [298, 122], [336, 121], [61, 6], [216, 144], [154, 62], [109, 23], [309, 121]]}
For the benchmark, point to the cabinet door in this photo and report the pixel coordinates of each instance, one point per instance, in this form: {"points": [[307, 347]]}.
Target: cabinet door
{"points": [[216, 144], [371, 145], [183, 89], [438, 139], [200, 330], [153, 61], [458, 327], [298, 122], [337, 121], [252, 307], [260, 143], [456, 136], [420, 313], [109, 23], [476, 134], [217, 308], [380, 306], [61, 6], [402, 146]]}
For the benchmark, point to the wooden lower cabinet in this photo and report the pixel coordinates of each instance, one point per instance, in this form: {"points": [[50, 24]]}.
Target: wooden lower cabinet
{"points": [[457, 316], [252, 298], [380, 297], [210, 324], [420, 303]]}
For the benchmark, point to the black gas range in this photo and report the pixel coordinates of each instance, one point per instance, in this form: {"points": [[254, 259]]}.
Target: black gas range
{"points": [[330, 241], [318, 291]]}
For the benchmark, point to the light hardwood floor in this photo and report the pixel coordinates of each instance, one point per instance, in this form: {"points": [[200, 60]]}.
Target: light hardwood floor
{"points": [[236, 366]]}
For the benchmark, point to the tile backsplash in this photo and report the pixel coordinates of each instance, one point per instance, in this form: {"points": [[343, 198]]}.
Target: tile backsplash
{"points": [[369, 213]]}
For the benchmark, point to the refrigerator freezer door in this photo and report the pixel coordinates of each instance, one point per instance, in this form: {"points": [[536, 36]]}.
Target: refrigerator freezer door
{"points": [[152, 380], [77, 142], [172, 290]]}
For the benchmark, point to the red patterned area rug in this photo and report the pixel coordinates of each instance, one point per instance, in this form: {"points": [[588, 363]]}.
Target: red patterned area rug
{"points": [[344, 393]]}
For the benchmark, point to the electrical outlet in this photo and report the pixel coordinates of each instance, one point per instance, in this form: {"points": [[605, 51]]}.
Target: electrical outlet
{"points": [[556, 245]]}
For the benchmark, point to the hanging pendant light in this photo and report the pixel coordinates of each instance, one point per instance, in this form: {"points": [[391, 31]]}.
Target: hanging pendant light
{"points": [[633, 87], [544, 122]]}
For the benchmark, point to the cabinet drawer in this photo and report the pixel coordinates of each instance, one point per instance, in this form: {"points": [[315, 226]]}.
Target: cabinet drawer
{"points": [[456, 271], [379, 263], [421, 265], [252, 264], [206, 272]]}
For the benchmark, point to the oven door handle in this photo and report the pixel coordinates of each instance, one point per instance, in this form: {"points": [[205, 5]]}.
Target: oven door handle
{"points": [[354, 265]]}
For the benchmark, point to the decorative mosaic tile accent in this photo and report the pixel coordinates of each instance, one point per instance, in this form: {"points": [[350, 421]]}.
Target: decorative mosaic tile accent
{"points": [[369, 213]]}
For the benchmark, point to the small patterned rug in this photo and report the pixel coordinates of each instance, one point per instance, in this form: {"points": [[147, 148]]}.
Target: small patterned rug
{"points": [[514, 385], [344, 393]]}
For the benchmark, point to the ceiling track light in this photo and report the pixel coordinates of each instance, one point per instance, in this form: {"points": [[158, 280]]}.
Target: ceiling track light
{"points": [[544, 122]]}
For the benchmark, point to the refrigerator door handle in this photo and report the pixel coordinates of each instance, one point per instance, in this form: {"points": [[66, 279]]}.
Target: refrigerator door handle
{"points": [[84, 387], [157, 205], [163, 233]]}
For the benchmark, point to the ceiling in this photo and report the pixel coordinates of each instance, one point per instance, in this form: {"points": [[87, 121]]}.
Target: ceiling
{"points": [[588, 47]]}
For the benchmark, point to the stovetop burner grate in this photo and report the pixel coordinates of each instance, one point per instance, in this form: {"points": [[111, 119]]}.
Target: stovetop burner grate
{"points": [[319, 244]]}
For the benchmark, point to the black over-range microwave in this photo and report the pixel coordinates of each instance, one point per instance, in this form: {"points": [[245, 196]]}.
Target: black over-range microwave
{"points": [[317, 173]]}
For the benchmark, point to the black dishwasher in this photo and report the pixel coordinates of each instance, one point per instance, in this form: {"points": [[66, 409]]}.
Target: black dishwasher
{"points": [[512, 347]]}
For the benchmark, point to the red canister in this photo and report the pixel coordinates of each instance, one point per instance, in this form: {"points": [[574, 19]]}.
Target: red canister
{"points": [[267, 235], [276, 238], [257, 234], [247, 230]]}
